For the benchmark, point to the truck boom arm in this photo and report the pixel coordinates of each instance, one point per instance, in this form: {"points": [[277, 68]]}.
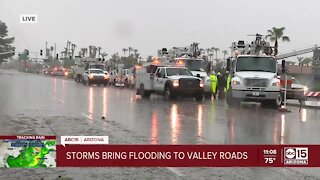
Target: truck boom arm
{"points": [[296, 52]]}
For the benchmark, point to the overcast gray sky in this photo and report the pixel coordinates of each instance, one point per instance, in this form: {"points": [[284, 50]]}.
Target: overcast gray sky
{"points": [[149, 25]]}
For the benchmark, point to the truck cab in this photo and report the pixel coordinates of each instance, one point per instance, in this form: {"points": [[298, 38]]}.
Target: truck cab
{"points": [[254, 78], [95, 76], [168, 81], [197, 68]]}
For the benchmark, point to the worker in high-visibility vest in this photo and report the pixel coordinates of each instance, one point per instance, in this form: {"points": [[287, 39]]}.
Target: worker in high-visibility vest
{"points": [[214, 83], [228, 82]]}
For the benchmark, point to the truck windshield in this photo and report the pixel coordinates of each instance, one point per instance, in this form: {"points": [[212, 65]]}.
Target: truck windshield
{"points": [[97, 66], [194, 65], [96, 71], [178, 71], [265, 64]]}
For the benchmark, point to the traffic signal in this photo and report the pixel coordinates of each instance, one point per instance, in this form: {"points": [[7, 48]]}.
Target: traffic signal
{"points": [[26, 51], [103, 59], [13, 51], [41, 52], [228, 64], [57, 56]]}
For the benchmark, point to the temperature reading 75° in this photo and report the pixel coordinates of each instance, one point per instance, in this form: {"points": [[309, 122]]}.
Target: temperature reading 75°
{"points": [[269, 160]]}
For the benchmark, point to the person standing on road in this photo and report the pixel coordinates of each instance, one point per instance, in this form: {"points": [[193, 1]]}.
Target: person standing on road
{"points": [[221, 85], [214, 83], [227, 82]]}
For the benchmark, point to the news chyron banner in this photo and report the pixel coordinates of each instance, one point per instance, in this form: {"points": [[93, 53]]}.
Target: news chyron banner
{"points": [[188, 156], [27, 151], [95, 151]]}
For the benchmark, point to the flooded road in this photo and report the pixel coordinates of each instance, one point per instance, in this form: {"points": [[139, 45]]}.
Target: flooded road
{"points": [[35, 104]]}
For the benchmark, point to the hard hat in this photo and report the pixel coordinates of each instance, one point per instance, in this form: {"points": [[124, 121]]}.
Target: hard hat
{"points": [[213, 72], [219, 73]]}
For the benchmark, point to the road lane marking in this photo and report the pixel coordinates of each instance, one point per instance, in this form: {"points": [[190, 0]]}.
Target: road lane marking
{"points": [[85, 115], [175, 171]]}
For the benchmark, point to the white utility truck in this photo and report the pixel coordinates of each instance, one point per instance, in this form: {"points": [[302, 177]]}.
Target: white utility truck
{"points": [[189, 57], [253, 73], [84, 64], [168, 80]]}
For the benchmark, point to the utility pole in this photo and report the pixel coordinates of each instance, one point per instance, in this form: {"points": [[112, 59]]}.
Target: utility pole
{"points": [[46, 50], [55, 50]]}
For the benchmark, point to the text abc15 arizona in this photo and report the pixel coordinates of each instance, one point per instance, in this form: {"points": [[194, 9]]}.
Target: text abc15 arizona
{"points": [[296, 156]]}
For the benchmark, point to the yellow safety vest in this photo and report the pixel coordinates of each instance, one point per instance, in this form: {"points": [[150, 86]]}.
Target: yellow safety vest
{"points": [[228, 83], [214, 83]]}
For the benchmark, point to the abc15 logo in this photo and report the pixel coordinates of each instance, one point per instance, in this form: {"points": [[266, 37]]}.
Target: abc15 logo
{"points": [[299, 153]]}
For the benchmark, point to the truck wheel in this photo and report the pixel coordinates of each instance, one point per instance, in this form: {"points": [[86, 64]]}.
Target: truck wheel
{"points": [[199, 97], [207, 95], [168, 94], [233, 102], [276, 103], [144, 93]]}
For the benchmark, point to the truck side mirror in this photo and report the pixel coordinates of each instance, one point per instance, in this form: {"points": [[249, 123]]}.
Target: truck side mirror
{"points": [[283, 66], [228, 64]]}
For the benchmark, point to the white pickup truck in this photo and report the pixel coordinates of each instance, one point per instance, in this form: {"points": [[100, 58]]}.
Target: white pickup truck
{"points": [[168, 81], [95, 76]]}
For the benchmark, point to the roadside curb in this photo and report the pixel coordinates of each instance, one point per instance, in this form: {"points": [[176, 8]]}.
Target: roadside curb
{"points": [[304, 105]]}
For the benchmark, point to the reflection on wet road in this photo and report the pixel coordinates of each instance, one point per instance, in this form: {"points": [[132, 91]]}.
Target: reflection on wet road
{"points": [[176, 122]]}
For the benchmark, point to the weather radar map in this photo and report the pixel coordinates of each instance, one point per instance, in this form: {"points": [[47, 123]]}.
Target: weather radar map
{"points": [[27, 151]]}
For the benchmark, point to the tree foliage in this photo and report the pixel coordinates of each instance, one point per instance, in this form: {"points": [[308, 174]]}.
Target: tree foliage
{"points": [[275, 34], [5, 42]]}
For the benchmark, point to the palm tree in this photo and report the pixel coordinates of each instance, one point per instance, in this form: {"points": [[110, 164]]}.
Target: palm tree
{"points": [[94, 52], [210, 56], [99, 50], [103, 55], [216, 51], [208, 50], [90, 50], [130, 49], [84, 51], [300, 60], [51, 50], [224, 52], [73, 47], [124, 51], [135, 51], [274, 35]]}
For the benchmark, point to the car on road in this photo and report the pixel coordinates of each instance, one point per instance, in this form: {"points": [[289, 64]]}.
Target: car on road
{"points": [[296, 91], [95, 76]]}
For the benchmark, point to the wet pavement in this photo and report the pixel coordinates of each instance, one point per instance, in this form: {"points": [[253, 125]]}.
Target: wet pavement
{"points": [[36, 104]]}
